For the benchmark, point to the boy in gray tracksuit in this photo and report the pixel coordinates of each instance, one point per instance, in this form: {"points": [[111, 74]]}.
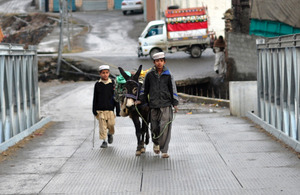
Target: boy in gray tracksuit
{"points": [[161, 94]]}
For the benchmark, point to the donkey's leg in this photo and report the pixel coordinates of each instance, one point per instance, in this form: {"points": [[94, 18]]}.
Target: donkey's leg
{"points": [[145, 134], [145, 131], [145, 127], [142, 144], [138, 134]]}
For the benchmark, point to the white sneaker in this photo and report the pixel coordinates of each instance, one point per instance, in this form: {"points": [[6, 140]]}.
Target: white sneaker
{"points": [[165, 155]]}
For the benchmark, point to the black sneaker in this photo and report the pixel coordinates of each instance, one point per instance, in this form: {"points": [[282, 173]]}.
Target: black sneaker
{"points": [[104, 145], [110, 138]]}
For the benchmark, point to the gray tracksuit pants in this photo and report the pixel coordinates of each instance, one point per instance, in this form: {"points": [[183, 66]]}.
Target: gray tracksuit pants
{"points": [[161, 132]]}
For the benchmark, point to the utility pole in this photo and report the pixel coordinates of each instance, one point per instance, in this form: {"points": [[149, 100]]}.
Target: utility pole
{"points": [[72, 30], [72, 26], [67, 21], [60, 44]]}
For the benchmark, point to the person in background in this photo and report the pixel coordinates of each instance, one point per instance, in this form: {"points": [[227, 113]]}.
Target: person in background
{"points": [[104, 104], [219, 48]]}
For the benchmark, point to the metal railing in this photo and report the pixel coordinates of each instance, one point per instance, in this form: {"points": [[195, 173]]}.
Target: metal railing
{"points": [[19, 92], [279, 83]]}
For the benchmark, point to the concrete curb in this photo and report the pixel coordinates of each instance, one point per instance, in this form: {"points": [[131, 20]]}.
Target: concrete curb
{"points": [[275, 132], [206, 100], [12, 141]]}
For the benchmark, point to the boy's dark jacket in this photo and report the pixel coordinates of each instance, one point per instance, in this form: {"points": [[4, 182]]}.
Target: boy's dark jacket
{"points": [[161, 89], [104, 97]]}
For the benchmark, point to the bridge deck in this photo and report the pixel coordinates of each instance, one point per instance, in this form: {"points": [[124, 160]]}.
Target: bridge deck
{"points": [[210, 153]]}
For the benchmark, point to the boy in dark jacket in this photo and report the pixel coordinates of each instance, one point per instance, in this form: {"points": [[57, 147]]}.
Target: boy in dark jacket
{"points": [[103, 105], [161, 94]]}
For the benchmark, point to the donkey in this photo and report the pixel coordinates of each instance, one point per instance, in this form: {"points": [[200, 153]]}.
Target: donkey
{"points": [[132, 87]]}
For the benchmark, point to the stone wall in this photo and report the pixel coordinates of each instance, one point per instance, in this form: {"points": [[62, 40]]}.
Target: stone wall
{"points": [[241, 12], [241, 57]]}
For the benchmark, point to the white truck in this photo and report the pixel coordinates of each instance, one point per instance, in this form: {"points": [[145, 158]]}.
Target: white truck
{"points": [[182, 30]]}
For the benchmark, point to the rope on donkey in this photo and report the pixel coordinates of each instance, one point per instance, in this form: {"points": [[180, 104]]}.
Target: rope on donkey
{"points": [[165, 127]]}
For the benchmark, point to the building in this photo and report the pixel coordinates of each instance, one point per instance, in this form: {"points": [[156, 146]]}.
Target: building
{"points": [[80, 5]]}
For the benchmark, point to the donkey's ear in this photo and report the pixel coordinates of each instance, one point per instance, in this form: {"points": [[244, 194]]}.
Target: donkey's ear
{"points": [[123, 73], [137, 74]]}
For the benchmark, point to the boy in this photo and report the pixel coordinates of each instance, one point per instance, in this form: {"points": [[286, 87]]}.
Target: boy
{"points": [[159, 85], [103, 105]]}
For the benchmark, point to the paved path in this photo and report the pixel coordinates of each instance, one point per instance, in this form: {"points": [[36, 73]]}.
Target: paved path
{"points": [[211, 152], [14, 6]]}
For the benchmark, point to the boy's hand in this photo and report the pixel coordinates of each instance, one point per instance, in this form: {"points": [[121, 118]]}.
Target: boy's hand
{"points": [[175, 109], [137, 102]]}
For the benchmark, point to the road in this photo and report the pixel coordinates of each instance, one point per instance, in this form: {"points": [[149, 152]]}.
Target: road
{"points": [[113, 39], [14, 6]]}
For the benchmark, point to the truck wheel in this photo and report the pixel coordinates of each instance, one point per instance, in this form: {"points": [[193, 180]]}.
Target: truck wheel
{"points": [[124, 12], [196, 51], [154, 51]]}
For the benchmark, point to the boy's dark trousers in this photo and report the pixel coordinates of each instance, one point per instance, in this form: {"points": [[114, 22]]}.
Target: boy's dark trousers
{"points": [[160, 117]]}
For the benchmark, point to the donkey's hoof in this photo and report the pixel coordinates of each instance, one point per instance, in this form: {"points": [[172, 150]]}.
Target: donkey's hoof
{"points": [[138, 153], [143, 150]]}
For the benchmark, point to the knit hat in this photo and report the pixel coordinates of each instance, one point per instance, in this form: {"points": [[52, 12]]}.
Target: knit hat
{"points": [[159, 55], [103, 67]]}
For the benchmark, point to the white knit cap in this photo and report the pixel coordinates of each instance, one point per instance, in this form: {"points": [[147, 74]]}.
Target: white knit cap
{"points": [[103, 67], [158, 55]]}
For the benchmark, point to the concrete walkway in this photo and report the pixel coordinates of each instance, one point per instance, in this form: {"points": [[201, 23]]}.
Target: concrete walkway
{"points": [[211, 152]]}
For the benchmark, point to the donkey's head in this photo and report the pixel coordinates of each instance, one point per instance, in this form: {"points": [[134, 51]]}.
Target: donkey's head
{"points": [[132, 87]]}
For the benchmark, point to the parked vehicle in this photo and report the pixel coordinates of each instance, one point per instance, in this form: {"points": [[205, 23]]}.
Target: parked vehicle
{"points": [[182, 30], [132, 6]]}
